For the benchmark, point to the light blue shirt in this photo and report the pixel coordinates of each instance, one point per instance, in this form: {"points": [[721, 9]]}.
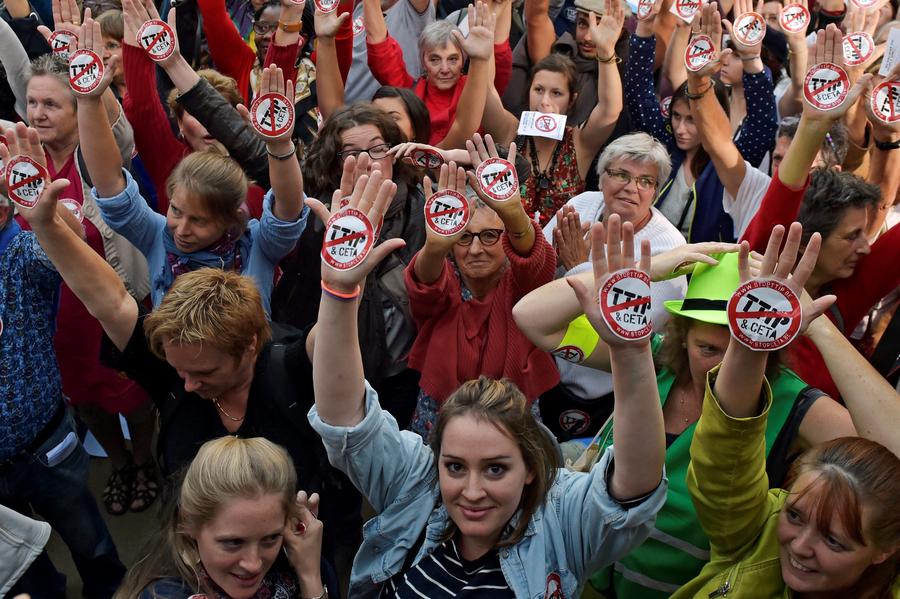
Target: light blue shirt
{"points": [[578, 529], [271, 238]]}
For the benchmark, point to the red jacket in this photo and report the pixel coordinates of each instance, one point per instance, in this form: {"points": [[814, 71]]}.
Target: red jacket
{"points": [[875, 276], [387, 66], [458, 341]]}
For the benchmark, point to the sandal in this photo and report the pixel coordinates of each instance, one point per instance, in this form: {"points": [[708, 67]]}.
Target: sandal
{"points": [[117, 494], [144, 488]]}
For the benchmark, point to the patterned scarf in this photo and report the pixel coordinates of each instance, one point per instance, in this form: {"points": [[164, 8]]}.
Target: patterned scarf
{"points": [[228, 253], [278, 583]]}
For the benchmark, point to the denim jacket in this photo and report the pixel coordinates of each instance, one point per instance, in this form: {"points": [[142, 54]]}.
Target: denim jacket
{"points": [[579, 528]]}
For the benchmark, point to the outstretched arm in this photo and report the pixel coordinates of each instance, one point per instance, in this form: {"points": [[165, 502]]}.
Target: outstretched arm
{"points": [[329, 84], [86, 273], [540, 30]]}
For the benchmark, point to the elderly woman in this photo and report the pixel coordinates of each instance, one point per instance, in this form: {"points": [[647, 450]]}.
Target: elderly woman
{"points": [[462, 303]]}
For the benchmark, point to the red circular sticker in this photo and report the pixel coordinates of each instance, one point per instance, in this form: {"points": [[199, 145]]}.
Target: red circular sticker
{"points": [[348, 238], [749, 29], [574, 421], [858, 47], [358, 26], [85, 71], [74, 207], [497, 179], [63, 42], [625, 303], [764, 315], [794, 18], [699, 53], [327, 5], [447, 212], [886, 101], [157, 39], [644, 8], [25, 180], [826, 86], [664, 106], [426, 158], [272, 115], [545, 123], [569, 353], [686, 9]]}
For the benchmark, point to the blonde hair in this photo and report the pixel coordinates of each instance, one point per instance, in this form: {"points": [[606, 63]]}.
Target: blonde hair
{"points": [[218, 182], [224, 469], [112, 24], [223, 84], [209, 306]]}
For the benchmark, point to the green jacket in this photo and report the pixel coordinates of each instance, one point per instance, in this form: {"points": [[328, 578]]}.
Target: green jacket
{"points": [[728, 485]]}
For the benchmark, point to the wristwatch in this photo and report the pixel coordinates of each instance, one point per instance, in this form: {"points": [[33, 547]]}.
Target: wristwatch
{"points": [[290, 27]]}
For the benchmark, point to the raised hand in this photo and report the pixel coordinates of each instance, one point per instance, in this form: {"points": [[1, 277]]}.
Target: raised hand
{"points": [[882, 131], [24, 141], [708, 22], [863, 20], [830, 48], [303, 541], [138, 12], [606, 30], [742, 7], [90, 38], [646, 27], [479, 44], [481, 149], [327, 24], [612, 249], [453, 178], [66, 16], [272, 82], [569, 238]]}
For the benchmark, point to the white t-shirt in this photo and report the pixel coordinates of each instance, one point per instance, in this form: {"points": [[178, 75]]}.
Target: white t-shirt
{"points": [[588, 383], [749, 198]]}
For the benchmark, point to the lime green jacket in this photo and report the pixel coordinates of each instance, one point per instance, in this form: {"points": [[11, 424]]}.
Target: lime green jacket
{"points": [[728, 485]]}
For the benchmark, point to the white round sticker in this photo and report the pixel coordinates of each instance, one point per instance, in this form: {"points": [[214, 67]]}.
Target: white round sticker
{"points": [[858, 47], [699, 53], [886, 101], [85, 71], [643, 9], [686, 9], [348, 239], [157, 38], [63, 42], [865, 3], [25, 181], [425, 158], [358, 26], [625, 303], [569, 353], [272, 115], [447, 212], [764, 315], [794, 18], [327, 5], [497, 179], [749, 29], [826, 86], [664, 106], [74, 207]]}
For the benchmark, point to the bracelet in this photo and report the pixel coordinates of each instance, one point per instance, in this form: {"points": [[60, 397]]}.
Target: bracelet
{"points": [[525, 232], [614, 58], [290, 27], [887, 145], [749, 58], [324, 594], [288, 156], [338, 295], [699, 94]]}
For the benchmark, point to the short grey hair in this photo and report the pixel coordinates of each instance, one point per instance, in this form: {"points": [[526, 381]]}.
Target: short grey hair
{"points": [[641, 148], [436, 35], [51, 65]]}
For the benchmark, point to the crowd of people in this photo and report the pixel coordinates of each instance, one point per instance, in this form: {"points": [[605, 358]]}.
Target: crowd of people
{"points": [[413, 298]]}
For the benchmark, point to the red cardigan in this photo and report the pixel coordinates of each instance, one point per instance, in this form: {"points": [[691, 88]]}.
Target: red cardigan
{"points": [[388, 67], [875, 276], [458, 341]]}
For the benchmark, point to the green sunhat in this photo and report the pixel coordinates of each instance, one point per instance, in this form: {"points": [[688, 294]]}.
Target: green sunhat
{"points": [[708, 292]]}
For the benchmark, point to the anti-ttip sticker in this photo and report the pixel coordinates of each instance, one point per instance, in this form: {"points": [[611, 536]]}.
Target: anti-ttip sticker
{"points": [[349, 237], [25, 181], [794, 18], [497, 179], [447, 212], [826, 86], [272, 115], [764, 315], [699, 53], [625, 304]]}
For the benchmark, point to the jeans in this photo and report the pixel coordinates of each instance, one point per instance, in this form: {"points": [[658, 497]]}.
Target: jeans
{"points": [[53, 481]]}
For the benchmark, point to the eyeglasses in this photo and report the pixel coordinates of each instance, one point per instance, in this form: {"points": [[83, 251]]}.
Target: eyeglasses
{"points": [[263, 27], [375, 152], [487, 237], [624, 178]]}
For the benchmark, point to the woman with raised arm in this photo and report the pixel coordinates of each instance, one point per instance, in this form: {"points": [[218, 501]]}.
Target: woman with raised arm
{"points": [[834, 529], [486, 502], [560, 168]]}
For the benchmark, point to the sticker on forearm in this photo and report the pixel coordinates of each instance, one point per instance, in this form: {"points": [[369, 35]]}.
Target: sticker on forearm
{"points": [[764, 315], [497, 179], [63, 42], [749, 29], [25, 181], [886, 101], [272, 115], [858, 47], [794, 18], [826, 86], [625, 304], [85, 71], [447, 212], [699, 53], [157, 39], [349, 237]]}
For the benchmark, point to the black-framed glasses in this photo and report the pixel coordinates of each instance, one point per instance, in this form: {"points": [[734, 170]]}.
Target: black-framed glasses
{"points": [[263, 27], [375, 152], [624, 178], [487, 237]]}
